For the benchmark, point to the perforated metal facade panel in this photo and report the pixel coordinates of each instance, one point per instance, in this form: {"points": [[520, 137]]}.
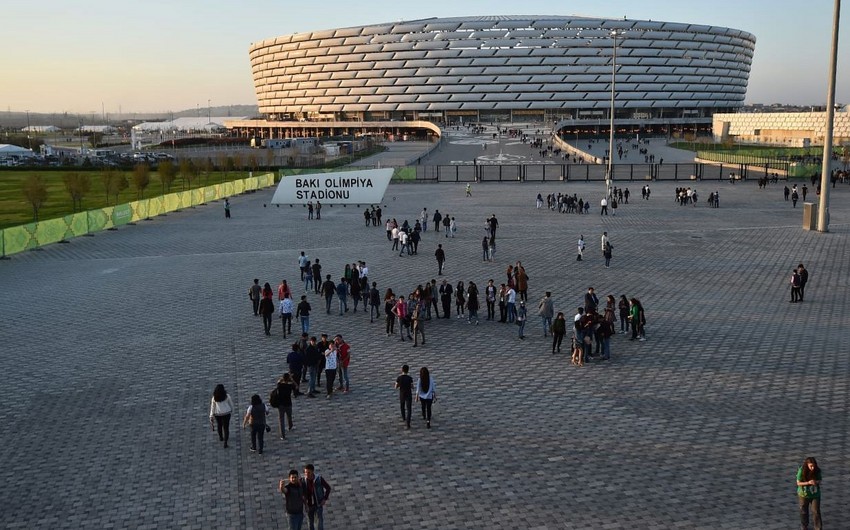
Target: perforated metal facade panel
{"points": [[454, 63]]}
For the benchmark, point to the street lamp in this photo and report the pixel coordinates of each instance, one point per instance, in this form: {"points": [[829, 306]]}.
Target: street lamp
{"points": [[609, 174], [29, 131], [826, 163]]}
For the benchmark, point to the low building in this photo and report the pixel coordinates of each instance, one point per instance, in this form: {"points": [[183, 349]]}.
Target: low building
{"points": [[787, 129]]}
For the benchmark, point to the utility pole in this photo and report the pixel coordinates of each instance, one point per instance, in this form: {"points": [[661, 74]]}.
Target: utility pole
{"points": [[826, 163]]}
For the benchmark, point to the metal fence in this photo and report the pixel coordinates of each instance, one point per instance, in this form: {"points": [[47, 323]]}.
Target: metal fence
{"points": [[591, 172]]}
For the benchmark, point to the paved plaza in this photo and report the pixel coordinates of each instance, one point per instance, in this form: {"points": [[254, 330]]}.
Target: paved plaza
{"points": [[112, 345]]}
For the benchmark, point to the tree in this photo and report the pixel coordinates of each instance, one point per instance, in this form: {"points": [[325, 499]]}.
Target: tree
{"points": [[208, 167], [238, 161], [121, 184], [35, 191], [167, 174], [222, 164], [229, 164], [109, 177], [188, 171], [141, 179], [253, 162], [77, 185], [95, 138], [269, 158]]}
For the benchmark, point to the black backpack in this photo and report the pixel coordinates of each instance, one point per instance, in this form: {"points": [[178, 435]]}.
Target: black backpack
{"points": [[274, 398]]}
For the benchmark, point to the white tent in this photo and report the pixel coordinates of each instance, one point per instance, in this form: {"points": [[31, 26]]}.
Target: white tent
{"points": [[41, 128], [7, 150]]}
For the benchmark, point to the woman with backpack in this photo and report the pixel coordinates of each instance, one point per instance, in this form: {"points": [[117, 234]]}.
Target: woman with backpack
{"points": [[255, 416]]}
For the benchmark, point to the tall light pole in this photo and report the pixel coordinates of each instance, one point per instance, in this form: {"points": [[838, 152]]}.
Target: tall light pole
{"points": [[29, 131], [209, 113], [609, 173], [826, 164]]}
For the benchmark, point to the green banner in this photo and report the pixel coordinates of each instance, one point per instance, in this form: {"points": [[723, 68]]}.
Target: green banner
{"points": [[121, 214], [19, 238], [197, 196], [50, 231], [78, 225], [227, 189], [2, 244], [138, 210], [100, 219], [238, 186]]}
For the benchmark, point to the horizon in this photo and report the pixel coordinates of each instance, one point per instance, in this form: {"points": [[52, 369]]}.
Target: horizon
{"points": [[198, 54]]}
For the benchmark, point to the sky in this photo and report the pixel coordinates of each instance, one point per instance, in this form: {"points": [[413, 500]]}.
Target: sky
{"points": [[93, 56]]}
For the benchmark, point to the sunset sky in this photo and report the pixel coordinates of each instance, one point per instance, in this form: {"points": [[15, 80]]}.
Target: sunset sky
{"points": [[158, 56]]}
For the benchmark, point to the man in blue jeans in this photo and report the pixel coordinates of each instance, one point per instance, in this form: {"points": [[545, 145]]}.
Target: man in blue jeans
{"points": [[303, 312], [342, 294], [316, 494]]}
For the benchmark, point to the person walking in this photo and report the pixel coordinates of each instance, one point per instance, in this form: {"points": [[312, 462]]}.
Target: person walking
{"points": [[559, 329], [404, 385], [426, 394], [266, 308], [286, 307], [342, 294], [255, 416], [546, 310], [440, 254], [417, 323], [254, 294], [317, 276], [580, 248], [221, 408], [328, 290], [294, 499], [485, 248], [389, 311], [374, 302], [285, 390], [226, 208], [604, 204], [446, 292], [472, 304], [400, 312], [607, 254], [808, 493], [312, 359], [303, 312], [318, 492]]}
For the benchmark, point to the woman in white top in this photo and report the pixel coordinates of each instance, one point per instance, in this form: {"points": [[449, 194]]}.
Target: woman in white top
{"points": [[426, 393], [221, 407], [330, 368]]}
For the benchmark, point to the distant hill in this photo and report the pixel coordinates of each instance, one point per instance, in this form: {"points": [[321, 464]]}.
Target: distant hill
{"points": [[67, 120]]}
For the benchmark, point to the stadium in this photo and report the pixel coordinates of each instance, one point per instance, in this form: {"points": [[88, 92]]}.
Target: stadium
{"points": [[557, 70]]}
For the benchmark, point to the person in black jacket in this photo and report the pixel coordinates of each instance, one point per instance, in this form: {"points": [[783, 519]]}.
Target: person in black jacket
{"points": [[328, 289], [312, 357], [446, 292], [286, 390]]}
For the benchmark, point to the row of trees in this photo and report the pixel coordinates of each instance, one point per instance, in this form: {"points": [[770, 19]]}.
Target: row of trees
{"points": [[78, 185]]}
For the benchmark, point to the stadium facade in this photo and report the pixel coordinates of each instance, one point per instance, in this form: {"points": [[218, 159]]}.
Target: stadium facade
{"points": [[551, 69]]}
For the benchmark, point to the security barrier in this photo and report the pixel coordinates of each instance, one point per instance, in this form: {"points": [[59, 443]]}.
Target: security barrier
{"points": [[33, 235]]}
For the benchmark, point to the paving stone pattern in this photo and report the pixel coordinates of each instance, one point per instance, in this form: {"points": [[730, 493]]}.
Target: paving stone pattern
{"points": [[112, 345]]}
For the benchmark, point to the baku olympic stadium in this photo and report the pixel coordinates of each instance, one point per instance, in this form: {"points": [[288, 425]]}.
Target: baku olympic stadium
{"points": [[557, 70]]}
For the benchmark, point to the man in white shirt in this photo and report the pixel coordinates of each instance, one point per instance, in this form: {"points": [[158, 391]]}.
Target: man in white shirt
{"points": [[511, 303], [604, 204], [604, 240], [423, 219], [395, 235], [302, 263], [286, 307], [402, 236]]}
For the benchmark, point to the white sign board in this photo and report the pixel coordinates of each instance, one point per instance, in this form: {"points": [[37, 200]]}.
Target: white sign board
{"points": [[345, 187]]}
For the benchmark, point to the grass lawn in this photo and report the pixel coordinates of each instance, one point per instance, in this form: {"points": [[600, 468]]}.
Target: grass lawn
{"points": [[15, 210], [764, 151]]}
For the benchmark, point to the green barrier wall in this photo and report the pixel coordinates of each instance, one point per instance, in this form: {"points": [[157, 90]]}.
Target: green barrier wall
{"points": [[32, 235], [19, 238]]}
